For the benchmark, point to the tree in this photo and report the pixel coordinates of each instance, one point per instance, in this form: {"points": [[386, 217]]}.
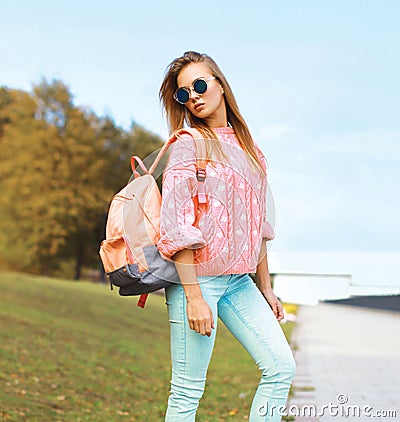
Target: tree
{"points": [[60, 166]]}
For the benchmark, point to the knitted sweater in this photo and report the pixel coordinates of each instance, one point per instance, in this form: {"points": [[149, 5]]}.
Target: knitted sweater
{"points": [[227, 238]]}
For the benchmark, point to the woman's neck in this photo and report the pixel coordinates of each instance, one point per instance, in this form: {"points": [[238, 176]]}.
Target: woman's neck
{"points": [[218, 119]]}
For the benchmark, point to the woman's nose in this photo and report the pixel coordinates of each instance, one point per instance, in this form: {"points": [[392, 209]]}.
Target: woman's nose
{"points": [[193, 93]]}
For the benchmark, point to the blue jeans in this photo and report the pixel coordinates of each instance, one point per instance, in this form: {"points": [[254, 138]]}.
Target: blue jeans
{"points": [[237, 301]]}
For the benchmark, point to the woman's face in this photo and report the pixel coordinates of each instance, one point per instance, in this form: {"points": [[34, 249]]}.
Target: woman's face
{"points": [[209, 106]]}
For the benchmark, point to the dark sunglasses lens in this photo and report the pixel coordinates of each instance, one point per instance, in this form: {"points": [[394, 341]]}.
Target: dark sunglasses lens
{"points": [[182, 95], [200, 86]]}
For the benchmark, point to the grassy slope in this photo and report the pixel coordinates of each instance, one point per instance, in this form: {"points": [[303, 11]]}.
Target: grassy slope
{"points": [[78, 352]]}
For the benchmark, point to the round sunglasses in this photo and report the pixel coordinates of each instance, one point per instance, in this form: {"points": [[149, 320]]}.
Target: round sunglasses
{"points": [[199, 86]]}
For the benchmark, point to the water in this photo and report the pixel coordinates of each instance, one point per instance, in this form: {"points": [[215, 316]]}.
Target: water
{"points": [[307, 277]]}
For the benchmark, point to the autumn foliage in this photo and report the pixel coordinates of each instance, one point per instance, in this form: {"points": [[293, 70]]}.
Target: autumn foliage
{"points": [[60, 166]]}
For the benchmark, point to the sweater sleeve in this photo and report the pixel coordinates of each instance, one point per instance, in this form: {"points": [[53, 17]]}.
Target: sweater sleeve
{"points": [[179, 186], [266, 229]]}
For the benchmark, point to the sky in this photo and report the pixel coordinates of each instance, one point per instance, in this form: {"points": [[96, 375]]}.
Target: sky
{"points": [[316, 81]]}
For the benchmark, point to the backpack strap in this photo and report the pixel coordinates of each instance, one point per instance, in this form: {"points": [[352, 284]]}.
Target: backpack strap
{"points": [[201, 160], [200, 146], [141, 164], [201, 163], [142, 300], [200, 201]]}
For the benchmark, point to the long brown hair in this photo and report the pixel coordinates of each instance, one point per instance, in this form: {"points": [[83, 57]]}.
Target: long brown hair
{"points": [[178, 115]]}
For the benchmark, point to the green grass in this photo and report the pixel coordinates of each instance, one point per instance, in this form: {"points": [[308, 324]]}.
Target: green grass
{"points": [[74, 351]]}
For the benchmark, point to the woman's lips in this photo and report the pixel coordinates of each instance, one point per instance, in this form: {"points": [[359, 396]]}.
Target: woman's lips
{"points": [[197, 106]]}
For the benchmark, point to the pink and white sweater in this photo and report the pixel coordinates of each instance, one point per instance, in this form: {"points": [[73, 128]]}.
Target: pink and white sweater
{"points": [[227, 239]]}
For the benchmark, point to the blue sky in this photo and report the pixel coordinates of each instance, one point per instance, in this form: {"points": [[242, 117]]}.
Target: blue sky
{"points": [[317, 82]]}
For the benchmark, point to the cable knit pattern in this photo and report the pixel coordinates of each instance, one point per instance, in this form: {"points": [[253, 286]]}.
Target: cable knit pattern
{"points": [[228, 237]]}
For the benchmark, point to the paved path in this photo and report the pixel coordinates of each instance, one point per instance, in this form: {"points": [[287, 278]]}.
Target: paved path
{"points": [[349, 354]]}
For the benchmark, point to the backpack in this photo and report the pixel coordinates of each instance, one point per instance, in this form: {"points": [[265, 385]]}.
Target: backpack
{"points": [[129, 253]]}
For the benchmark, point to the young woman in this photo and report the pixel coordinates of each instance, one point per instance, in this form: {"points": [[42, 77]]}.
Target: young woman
{"points": [[216, 247]]}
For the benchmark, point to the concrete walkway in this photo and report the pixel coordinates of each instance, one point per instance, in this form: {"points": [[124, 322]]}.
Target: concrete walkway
{"points": [[350, 357]]}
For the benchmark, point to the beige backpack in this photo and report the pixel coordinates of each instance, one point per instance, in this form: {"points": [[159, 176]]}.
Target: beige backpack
{"points": [[129, 253]]}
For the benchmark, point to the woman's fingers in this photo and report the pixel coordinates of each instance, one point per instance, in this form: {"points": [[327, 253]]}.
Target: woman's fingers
{"points": [[200, 317], [201, 324], [279, 313], [204, 327], [208, 326], [275, 304]]}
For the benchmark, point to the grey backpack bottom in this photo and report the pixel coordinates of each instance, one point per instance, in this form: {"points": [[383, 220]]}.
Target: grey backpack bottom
{"points": [[132, 282]]}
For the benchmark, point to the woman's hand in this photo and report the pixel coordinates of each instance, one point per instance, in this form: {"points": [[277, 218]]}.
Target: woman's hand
{"points": [[198, 311], [274, 303], [263, 282], [200, 316]]}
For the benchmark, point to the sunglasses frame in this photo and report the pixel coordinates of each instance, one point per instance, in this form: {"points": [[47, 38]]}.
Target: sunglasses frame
{"points": [[189, 89]]}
